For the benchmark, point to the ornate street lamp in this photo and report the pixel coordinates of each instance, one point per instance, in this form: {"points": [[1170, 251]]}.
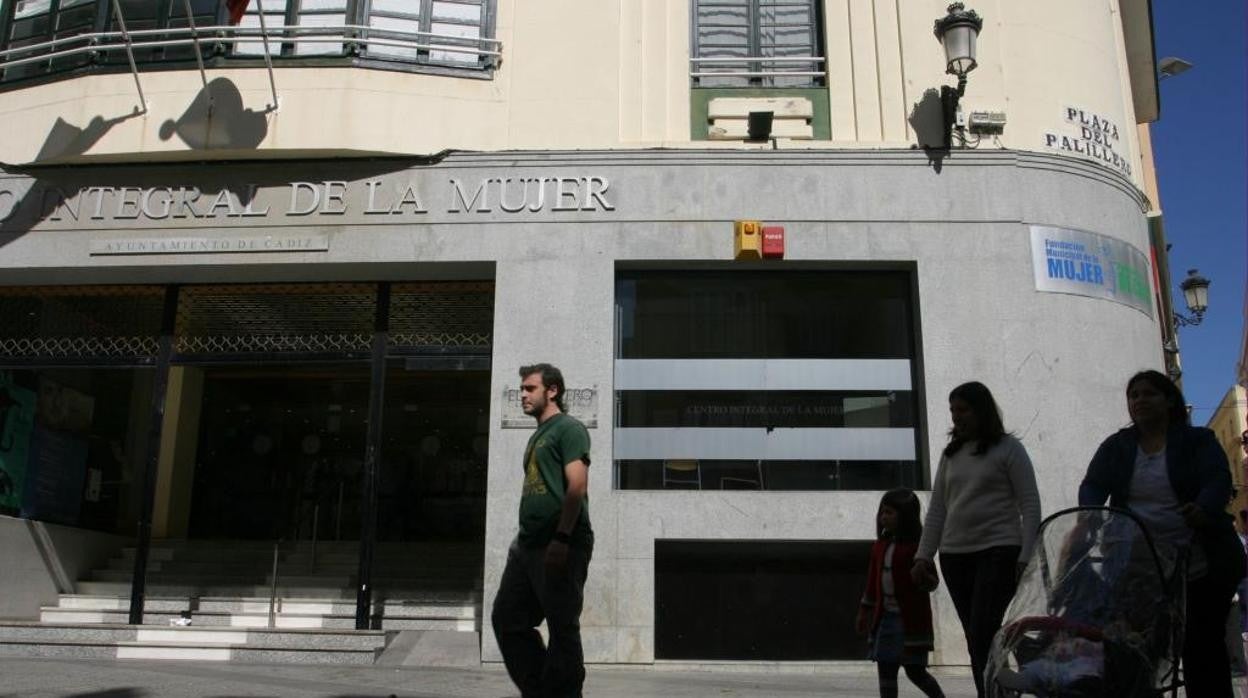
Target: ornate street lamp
{"points": [[957, 32], [1196, 294]]}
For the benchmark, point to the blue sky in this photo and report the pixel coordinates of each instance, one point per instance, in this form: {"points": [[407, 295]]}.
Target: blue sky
{"points": [[1200, 151]]}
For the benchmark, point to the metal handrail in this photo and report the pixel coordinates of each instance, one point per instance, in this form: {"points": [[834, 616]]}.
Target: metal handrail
{"points": [[234, 40], [760, 74], [295, 28], [277, 547], [759, 59], [706, 67], [347, 33], [316, 525], [338, 512]]}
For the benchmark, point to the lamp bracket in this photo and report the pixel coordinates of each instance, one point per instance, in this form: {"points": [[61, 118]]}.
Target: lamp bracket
{"points": [[1181, 320]]}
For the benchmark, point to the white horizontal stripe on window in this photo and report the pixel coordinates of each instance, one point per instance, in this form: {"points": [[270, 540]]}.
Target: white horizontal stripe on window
{"points": [[762, 374], [705, 443]]}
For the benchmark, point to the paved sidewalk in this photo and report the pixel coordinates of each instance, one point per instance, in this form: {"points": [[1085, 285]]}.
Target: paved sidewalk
{"points": [[62, 678]]}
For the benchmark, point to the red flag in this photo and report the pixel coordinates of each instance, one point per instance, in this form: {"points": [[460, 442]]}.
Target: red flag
{"points": [[236, 9]]}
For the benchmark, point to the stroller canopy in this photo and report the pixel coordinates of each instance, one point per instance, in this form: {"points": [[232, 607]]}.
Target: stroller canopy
{"points": [[1098, 612]]}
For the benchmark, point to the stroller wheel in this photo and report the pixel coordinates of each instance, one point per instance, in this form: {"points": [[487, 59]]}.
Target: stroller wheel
{"points": [[1009, 683]]}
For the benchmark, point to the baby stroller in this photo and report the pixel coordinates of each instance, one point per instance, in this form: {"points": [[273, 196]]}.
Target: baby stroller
{"points": [[1098, 612]]}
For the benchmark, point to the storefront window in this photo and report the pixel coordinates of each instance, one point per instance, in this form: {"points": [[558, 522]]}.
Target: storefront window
{"points": [[72, 444], [765, 381]]}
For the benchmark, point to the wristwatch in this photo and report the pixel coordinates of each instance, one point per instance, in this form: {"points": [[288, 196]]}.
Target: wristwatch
{"points": [[562, 537]]}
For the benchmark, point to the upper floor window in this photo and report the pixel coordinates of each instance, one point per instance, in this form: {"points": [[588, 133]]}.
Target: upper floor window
{"points": [[757, 43], [39, 37]]}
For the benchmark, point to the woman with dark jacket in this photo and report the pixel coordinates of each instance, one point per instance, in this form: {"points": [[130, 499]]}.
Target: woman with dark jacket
{"points": [[1175, 477]]}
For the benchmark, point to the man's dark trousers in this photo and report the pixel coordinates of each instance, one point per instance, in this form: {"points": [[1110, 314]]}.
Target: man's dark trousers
{"points": [[526, 597]]}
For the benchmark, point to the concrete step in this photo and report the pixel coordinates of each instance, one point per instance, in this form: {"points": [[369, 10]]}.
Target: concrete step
{"points": [[290, 613], [462, 608], [122, 603], [69, 649], [168, 549], [284, 589], [413, 568], [245, 654], [291, 578], [256, 638], [345, 622], [54, 614], [457, 605], [216, 619]]}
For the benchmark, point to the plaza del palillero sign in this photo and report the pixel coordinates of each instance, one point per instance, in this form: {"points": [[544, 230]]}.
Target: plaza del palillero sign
{"points": [[1089, 135], [391, 199]]}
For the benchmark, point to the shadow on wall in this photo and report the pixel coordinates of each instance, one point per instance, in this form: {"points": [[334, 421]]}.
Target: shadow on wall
{"points": [[928, 121], [217, 119], [67, 140]]}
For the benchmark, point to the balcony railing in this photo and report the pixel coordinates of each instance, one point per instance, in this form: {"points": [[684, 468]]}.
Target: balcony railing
{"points": [[239, 43], [757, 71]]}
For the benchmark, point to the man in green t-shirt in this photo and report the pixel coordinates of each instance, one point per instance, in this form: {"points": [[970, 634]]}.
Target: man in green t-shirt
{"points": [[547, 563]]}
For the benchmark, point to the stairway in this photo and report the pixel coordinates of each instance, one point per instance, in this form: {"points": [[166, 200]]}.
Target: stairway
{"points": [[225, 590]]}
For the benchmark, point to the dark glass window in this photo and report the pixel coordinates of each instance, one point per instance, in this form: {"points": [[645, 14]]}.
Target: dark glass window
{"points": [[72, 445], [772, 475], [732, 600], [758, 408], [765, 315], [760, 380]]}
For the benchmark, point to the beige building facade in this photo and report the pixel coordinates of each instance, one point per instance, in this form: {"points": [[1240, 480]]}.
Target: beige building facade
{"points": [[290, 291], [1230, 423]]}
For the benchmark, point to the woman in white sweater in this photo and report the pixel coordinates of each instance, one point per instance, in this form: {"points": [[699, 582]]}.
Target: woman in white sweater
{"points": [[983, 518]]}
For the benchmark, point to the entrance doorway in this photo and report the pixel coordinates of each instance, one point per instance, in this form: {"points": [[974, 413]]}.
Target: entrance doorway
{"points": [[277, 445], [281, 452], [434, 458]]}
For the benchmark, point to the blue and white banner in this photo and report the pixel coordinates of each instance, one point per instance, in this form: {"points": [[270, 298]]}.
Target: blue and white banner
{"points": [[1088, 264]]}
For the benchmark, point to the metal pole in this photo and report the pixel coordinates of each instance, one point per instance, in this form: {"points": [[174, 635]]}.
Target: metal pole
{"points": [[156, 417], [368, 500], [338, 512], [134, 69], [268, 60], [199, 56], [316, 521], [273, 586]]}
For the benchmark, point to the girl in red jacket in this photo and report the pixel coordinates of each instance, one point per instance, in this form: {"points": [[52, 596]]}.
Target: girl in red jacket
{"points": [[895, 610]]}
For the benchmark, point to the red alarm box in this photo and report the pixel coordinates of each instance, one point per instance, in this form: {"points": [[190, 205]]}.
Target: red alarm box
{"points": [[773, 242]]}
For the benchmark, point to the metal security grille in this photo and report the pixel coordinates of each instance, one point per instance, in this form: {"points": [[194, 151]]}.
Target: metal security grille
{"points": [[442, 316], [274, 319], [107, 324]]}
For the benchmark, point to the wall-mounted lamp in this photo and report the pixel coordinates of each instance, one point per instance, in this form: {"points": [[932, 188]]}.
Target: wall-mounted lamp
{"points": [[1196, 294], [957, 31]]}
